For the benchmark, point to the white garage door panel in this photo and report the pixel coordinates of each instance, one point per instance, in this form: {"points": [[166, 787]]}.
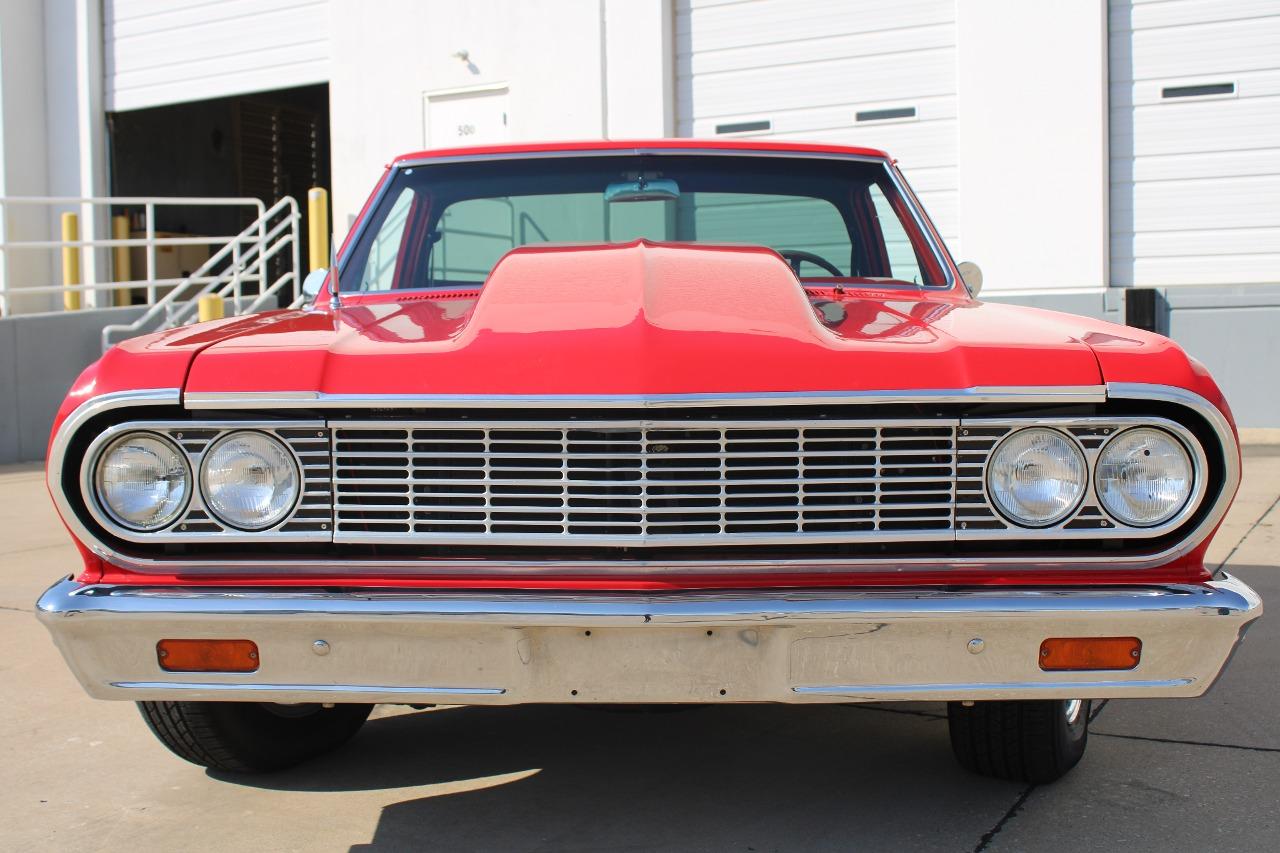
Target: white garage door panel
{"points": [[135, 17], [1181, 244], [809, 69], [164, 52], [761, 22], [1192, 126], [1195, 180], [1203, 269], [1148, 14], [1218, 203], [830, 48], [855, 82], [1144, 93], [809, 122], [1191, 50], [1210, 164]]}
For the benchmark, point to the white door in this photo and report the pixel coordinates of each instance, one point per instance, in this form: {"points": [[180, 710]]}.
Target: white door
{"points": [[1195, 142], [878, 73], [472, 117], [158, 52]]}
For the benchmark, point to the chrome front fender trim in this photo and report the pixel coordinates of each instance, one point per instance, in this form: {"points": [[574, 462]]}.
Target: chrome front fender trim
{"points": [[1061, 394], [722, 646], [532, 567], [87, 410]]}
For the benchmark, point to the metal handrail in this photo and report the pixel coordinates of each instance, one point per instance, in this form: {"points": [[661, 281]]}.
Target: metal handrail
{"points": [[150, 242], [178, 305]]}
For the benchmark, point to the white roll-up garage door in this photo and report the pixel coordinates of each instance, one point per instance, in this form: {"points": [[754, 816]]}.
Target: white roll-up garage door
{"points": [[160, 52], [1195, 142], [879, 73]]}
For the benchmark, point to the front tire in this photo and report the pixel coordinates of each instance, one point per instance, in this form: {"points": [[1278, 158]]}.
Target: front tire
{"points": [[251, 737], [1025, 741]]}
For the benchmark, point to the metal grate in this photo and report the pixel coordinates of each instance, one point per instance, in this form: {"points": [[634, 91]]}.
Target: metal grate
{"points": [[644, 482]]}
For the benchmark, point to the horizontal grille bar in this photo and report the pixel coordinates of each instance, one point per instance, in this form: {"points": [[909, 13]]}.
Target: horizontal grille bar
{"points": [[644, 483]]}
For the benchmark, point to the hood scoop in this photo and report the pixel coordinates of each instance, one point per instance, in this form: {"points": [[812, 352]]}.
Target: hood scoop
{"points": [[677, 288]]}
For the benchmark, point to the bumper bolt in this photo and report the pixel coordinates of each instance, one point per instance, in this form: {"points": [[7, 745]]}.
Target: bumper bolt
{"points": [[975, 646], [320, 647]]}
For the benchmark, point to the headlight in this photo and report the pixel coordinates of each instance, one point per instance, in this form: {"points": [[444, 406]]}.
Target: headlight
{"points": [[143, 481], [1036, 476], [249, 480], [1144, 477]]}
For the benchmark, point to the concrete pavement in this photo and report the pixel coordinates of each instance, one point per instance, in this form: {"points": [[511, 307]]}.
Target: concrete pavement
{"points": [[80, 774]]}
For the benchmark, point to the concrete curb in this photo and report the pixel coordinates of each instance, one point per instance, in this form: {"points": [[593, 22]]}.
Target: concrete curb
{"points": [[1260, 435]]}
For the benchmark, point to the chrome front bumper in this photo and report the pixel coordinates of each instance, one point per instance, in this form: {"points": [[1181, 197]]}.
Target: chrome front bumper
{"points": [[735, 646]]}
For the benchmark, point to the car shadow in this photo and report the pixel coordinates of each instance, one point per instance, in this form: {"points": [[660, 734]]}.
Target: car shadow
{"points": [[716, 777]]}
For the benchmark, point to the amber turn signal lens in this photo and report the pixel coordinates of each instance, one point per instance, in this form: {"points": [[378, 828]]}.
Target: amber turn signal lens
{"points": [[207, 655], [1087, 653]]}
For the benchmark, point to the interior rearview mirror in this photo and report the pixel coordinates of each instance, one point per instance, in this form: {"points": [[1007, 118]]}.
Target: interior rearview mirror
{"points": [[972, 276], [642, 189], [314, 281]]}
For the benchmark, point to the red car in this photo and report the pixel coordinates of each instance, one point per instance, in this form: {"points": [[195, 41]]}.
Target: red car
{"points": [[643, 422]]}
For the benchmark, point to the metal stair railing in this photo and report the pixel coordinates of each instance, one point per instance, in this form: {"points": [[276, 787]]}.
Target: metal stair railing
{"points": [[265, 241], [106, 279]]}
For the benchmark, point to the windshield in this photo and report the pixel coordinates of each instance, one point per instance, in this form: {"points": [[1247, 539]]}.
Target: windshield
{"points": [[446, 225]]}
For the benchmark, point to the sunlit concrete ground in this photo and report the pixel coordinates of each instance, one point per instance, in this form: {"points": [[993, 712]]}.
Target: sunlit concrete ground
{"points": [[1191, 775]]}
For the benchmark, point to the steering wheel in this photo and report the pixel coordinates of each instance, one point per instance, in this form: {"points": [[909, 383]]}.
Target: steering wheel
{"points": [[796, 257]]}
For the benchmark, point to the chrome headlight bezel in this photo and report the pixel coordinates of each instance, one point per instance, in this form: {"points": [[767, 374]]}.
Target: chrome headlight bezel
{"points": [[98, 492], [1193, 475], [282, 513], [1077, 453]]}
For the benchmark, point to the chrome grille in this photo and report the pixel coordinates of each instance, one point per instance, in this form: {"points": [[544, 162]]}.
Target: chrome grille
{"points": [[644, 482]]}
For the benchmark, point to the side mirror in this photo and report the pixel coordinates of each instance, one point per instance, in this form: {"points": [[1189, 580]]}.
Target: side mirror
{"points": [[972, 277], [313, 282]]}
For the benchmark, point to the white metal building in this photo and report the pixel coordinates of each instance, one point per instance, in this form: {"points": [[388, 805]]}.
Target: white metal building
{"points": [[1081, 152]]}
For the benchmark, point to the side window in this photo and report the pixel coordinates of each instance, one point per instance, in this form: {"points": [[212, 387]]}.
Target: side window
{"points": [[384, 251], [903, 264]]}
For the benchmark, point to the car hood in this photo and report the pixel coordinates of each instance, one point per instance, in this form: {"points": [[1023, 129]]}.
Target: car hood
{"points": [[643, 319]]}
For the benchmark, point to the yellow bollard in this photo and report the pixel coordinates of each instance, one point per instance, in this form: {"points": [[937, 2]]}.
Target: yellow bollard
{"points": [[70, 261], [120, 260], [210, 308], [317, 228]]}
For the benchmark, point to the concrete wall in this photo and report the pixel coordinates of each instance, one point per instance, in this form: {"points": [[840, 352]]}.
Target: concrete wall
{"points": [[40, 356]]}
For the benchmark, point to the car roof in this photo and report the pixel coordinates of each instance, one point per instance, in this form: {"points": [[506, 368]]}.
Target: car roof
{"points": [[622, 145]]}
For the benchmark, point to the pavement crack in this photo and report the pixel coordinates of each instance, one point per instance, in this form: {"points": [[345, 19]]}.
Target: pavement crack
{"points": [[1247, 534], [1189, 742], [15, 609], [991, 833]]}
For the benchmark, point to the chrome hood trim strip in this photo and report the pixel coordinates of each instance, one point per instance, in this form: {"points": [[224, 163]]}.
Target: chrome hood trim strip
{"points": [[200, 400]]}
